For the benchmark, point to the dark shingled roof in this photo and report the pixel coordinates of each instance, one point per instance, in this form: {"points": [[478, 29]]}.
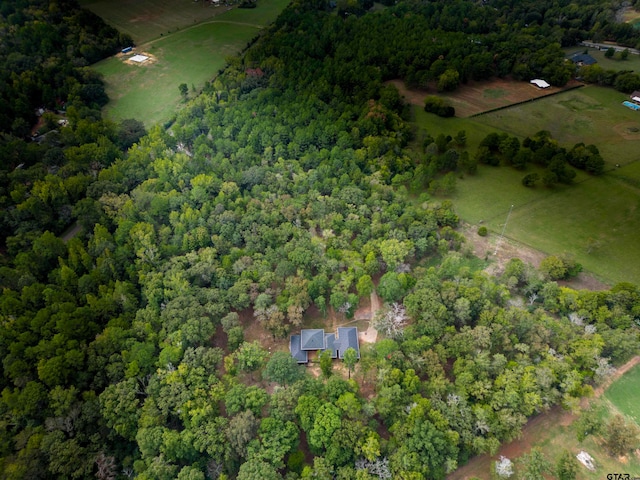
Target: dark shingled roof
{"points": [[347, 337], [329, 340], [296, 352], [312, 339], [583, 58]]}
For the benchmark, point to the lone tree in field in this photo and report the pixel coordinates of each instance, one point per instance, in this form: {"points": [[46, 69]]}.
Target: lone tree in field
{"points": [[621, 437], [184, 89]]}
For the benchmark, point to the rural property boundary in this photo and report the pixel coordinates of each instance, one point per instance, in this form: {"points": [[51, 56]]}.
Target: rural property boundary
{"points": [[526, 101]]}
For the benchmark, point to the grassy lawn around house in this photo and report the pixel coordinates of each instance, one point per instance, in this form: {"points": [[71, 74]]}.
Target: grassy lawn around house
{"points": [[631, 63]]}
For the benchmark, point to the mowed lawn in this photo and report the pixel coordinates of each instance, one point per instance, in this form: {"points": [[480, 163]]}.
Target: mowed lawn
{"points": [[145, 20], [149, 91], [596, 220], [631, 63], [624, 394]]}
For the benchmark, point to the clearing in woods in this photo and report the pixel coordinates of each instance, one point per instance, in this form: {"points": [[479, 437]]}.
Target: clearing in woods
{"points": [[187, 42]]}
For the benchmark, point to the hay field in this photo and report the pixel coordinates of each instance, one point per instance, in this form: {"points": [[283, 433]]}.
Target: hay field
{"points": [[146, 20]]}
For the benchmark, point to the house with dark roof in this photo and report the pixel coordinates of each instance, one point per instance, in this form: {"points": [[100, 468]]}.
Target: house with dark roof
{"points": [[315, 339], [312, 339], [347, 338], [582, 59], [300, 355]]}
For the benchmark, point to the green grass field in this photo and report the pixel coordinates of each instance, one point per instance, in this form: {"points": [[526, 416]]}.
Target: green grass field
{"points": [[591, 114], [624, 394], [596, 219], [149, 92], [189, 42], [146, 20]]}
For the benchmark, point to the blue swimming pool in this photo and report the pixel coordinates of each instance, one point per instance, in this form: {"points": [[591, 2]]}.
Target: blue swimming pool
{"points": [[632, 106]]}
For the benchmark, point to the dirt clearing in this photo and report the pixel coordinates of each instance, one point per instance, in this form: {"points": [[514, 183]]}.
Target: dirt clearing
{"points": [[477, 97]]}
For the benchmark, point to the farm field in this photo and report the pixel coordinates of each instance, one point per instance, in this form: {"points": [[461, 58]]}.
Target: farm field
{"points": [[476, 97], [554, 432], [595, 220], [624, 394], [149, 91], [146, 20], [188, 43], [591, 114], [584, 221]]}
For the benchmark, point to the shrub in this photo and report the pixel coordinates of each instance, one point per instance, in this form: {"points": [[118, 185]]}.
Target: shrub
{"points": [[482, 231], [439, 106]]}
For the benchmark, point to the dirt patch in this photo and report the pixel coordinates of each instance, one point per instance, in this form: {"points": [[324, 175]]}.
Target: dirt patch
{"points": [[367, 313], [499, 251], [477, 97], [628, 130]]}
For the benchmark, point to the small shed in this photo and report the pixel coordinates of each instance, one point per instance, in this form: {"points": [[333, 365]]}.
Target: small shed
{"points": [[540, 83], [635, 96], [127, 49]]}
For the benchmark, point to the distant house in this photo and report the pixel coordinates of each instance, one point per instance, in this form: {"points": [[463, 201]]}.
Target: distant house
{"points": [[540, 83], [581, 59], [635, 96], [315, 339]]}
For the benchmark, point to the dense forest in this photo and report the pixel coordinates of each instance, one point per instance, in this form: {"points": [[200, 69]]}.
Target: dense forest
{"points": [[274, 200]]}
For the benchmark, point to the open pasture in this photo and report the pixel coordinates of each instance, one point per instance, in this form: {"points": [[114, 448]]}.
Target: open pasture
{"points": [[146, 20], [591, 115], [477, 97], [149, 91], [188, 42], [624, 394], [596, 219]]}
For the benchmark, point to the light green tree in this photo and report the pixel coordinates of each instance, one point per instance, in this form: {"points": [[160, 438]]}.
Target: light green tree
{"points": [[350, 358]]}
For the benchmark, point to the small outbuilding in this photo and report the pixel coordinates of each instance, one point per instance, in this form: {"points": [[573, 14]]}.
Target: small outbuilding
{"points": [[635, 96], [540, 83], [127, 49]]}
